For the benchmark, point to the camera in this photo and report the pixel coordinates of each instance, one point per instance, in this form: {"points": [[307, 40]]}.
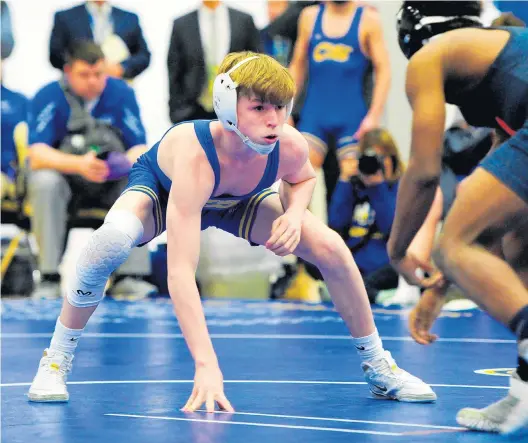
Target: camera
{"points": [[369, 163]]}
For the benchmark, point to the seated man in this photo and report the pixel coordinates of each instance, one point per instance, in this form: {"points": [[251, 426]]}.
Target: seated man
{"points": [[217, 173], [74, 124], [14, 117]]}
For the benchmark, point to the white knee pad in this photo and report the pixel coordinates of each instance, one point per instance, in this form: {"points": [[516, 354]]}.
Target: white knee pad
{"points": [[108, 249]]}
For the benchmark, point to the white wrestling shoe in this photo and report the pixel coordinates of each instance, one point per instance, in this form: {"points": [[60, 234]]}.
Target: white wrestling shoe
{"points": [[386, 380], [49, 385], [505, 416]]}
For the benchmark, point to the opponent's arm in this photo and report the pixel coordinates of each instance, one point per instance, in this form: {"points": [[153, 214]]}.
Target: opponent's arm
{"points": [[425, 91], [192, 185]]}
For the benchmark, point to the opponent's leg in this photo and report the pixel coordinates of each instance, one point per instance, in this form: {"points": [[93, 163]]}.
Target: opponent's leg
{"points": [[511, 412], [129, 223], [483, 206], [489, 280], [325, 249]]}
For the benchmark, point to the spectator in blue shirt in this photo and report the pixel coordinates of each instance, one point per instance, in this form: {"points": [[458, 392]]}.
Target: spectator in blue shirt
{"points": [[73, 174], [363, 205]]}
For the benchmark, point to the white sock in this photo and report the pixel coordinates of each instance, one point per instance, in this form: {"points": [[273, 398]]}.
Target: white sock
{"points": [[65, 339], [370, 347]]}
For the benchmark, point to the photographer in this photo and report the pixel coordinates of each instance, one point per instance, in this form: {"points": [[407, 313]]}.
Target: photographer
{"points": [[363, 206], [85, 131]]}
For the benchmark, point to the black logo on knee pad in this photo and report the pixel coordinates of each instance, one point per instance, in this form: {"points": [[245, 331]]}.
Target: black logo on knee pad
{"points": [[84, 294]]}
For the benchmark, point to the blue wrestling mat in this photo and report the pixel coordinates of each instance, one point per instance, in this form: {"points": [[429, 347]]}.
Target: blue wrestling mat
{"points": [[291, 373]]}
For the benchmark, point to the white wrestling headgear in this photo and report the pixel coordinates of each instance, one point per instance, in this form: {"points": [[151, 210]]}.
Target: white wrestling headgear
{"points": [[225, 105]]}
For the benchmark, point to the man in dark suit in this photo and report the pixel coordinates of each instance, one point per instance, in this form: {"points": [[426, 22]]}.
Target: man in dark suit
{"points": [[199, 41], [115, 30]]}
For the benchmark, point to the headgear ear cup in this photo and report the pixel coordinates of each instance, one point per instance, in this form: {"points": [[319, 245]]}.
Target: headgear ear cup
{"points": [[225, 96]]}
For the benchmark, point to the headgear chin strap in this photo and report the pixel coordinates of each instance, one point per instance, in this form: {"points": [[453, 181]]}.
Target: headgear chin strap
{"points": [[225, 105]]}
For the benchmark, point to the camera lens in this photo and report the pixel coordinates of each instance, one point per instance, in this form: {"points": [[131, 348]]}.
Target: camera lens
{"points": [[369, 164]]}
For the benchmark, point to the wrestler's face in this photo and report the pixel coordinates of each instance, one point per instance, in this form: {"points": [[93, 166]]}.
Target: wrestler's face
{"points": [[261, 121]]}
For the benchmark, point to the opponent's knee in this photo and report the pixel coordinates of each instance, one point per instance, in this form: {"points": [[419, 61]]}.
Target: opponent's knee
{"points": [[445, 253], [108, 248]]}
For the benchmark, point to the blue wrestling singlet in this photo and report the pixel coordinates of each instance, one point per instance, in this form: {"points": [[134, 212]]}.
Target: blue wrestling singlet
{"points": [[335, 101], [500, 100], [233, 214]]}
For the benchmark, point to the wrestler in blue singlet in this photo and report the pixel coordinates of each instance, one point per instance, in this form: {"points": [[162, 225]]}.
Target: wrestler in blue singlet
{"points": [[500, 100], [335, 101], [233, 214]]}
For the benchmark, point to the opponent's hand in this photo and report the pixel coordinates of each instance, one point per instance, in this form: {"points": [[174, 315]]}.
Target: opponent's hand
{"points": [[285, 234], [412, 269], [208, 388], [425, 313]]}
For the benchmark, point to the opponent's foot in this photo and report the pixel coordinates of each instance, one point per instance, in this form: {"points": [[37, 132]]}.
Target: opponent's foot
{"points": [[505, 416], [49, 385], [385, 379]]}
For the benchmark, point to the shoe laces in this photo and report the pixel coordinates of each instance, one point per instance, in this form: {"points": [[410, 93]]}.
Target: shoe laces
{"points": [[387, 366]]}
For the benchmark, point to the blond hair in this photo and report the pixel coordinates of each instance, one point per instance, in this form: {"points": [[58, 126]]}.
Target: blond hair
{"points": [[263, 77], [383, 139]]}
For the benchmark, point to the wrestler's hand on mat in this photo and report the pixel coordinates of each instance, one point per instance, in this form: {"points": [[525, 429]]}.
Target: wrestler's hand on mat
{"points": [[425, 313], [209, 389], [285, 234], [412, 269]]}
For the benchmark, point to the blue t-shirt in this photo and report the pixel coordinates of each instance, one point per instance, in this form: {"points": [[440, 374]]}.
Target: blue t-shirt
{"points": [[15, 109], [117, 106]]}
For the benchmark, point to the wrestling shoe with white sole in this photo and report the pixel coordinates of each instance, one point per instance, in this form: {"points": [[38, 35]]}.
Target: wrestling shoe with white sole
{"points": [[49, 385], [386, 380]]}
